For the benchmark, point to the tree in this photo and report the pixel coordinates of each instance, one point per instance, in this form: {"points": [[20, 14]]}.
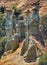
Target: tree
{"points": [[2, 9]]}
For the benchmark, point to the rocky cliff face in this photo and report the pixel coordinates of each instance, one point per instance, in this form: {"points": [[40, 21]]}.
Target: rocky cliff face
{"points": [[15, 58]]}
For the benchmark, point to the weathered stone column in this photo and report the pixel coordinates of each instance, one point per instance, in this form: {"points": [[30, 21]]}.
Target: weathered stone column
{"points": [[21, 29], [35, 16], [25, 44], [33, 27], [31, 53], [29, 50], [9, 26], [15, 43], [15, 21]]}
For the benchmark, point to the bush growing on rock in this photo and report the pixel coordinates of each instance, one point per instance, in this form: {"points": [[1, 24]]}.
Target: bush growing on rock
{"points": [[3, 41], [14, 7], [43, 60], [44, 22], [2, 19], [17, 11], [2, 24]]}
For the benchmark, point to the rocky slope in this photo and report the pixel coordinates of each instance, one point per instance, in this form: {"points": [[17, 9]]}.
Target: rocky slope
{"points": [[25, 4], [15, 58]]}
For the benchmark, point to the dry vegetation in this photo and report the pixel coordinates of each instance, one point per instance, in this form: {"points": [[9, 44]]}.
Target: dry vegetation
{"points": [[25, 4]]}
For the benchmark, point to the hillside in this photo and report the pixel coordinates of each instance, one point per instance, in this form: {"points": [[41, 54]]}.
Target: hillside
{"points": [[25, 4], [15, 58]]}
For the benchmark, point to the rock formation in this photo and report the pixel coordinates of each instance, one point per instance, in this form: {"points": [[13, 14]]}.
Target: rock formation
{"points": [[12, 44]]}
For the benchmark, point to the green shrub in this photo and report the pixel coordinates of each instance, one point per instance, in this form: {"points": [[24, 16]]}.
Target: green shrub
{"points": [[14, 7], [3, 41], [44, 19], [2, 23], [43, 59], [44, 22], [1, 18]]}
